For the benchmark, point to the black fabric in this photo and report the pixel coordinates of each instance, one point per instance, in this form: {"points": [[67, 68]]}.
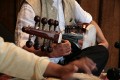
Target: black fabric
{"points": [[6, 34], [99, 54]]}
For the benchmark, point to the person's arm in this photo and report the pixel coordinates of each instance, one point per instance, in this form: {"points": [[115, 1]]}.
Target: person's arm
{"points": [[66, 72], [99, 35], [84, 17], [26, 18], [81, 15], [17, 62]]}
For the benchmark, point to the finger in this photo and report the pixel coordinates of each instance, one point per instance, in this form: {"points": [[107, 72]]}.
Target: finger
{"points": [[91, 64], [66, 43], [69, 70], [80, 42], [67, 49], [87, 69], [53, 44], [75, 68], [67, 53], [90, 61], [94, 68]]}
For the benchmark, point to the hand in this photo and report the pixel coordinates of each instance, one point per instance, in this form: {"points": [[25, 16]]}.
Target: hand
{"points": [[85, 64], [80, 42], [61, 49], [67, 71]]}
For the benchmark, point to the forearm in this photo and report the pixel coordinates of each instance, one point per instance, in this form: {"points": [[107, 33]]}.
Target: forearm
{"points": [[41, 53], [20, 63], [100, 37], [105, 44], [53, 70], [16, 62]]}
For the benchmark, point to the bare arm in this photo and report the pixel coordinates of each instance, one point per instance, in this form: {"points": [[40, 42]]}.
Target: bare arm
{"points": [[100, 37], [20, 63]]}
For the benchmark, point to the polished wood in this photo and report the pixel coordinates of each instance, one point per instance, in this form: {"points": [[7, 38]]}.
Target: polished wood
{"points": [[51, 35], [110, 24]]}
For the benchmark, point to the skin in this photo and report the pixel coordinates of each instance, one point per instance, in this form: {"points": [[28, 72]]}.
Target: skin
{"points": [[100, 37], [64, 48], [66, 72], [101, 40], [59, 50]]}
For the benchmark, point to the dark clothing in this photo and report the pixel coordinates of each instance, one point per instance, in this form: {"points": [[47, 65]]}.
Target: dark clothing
{"points": [[99, 54]]}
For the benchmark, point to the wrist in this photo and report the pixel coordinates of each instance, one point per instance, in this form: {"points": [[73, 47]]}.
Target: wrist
{"points": [[41, 53], [76, 63], [59, 72], [51, 55]]}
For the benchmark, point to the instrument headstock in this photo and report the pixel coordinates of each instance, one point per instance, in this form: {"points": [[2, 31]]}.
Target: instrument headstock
{"points": [[50, 35]]}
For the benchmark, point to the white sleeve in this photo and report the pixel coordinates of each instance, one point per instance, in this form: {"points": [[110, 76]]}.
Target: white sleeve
{"points": [[25, 18], [81, 15], [16, 62]]}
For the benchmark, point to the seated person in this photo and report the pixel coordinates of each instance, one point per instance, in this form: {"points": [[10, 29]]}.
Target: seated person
{"points": [[66, 14]]}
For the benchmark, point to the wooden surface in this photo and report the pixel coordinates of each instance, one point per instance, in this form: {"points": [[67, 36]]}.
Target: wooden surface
{"points": [[110, 24]]}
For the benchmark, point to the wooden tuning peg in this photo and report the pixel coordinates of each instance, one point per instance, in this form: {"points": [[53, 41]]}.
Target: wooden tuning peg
{"points": [[56, 23], [50, 22], [44, 21]]}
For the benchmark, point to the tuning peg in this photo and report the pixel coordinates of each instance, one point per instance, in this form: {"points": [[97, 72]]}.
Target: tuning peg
{"points": [[36, 44], [49, 48], [43, 47], [84, 27], [68, 28], [50, 22], [83, 30], [43, 21], [56, 23], [77, 28], [29, 43], [37, 18]]}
